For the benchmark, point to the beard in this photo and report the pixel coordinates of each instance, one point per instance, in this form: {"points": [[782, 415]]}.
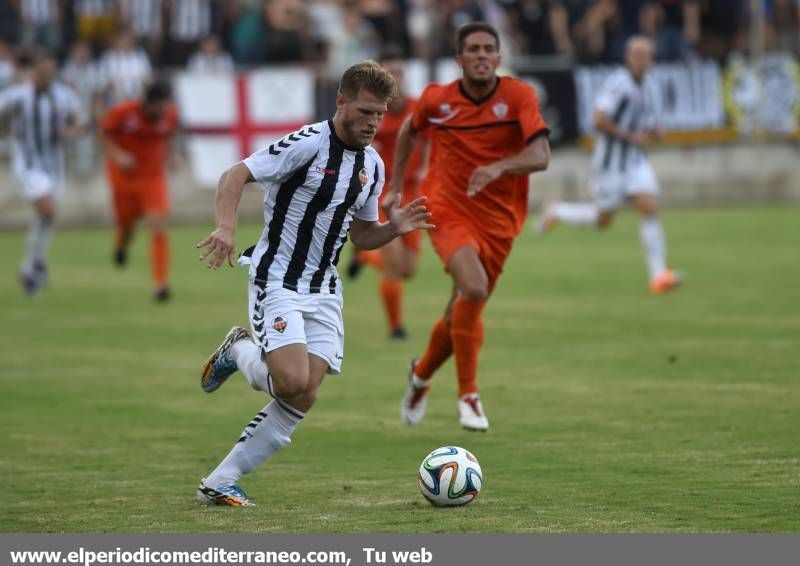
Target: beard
{"points": [[359, 138]]}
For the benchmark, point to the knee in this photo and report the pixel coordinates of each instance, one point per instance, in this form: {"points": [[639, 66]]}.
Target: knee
{"points": [[158, 224], [290, 383], [310, 395], [474, 291]]}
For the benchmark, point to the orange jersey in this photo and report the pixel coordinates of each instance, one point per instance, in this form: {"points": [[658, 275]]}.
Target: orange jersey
{"points": [[126, 125], [386, 141], [467, 133]]}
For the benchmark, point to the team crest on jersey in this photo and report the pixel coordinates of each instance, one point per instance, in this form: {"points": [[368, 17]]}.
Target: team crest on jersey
{"points": [[363, 176], [445, 108], [500, 109], [279, 324]]}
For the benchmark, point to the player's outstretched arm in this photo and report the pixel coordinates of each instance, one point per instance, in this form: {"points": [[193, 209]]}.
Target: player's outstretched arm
{"points": [[535, 157], [219, 245], [402, 220]]}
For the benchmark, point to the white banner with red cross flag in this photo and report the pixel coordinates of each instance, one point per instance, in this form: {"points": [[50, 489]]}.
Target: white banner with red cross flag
{"points": [[226, 117]]}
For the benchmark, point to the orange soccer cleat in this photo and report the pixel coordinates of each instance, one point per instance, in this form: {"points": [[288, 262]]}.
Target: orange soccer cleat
{"points": [[666, 282]]}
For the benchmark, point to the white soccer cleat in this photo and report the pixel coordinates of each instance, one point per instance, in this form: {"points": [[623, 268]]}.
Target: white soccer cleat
{"points": [[415, 399], [471, 415]]}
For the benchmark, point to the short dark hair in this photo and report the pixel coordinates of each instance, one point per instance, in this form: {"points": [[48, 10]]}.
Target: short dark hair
{"points": [[157, 91], [370, 76], [474, 27]]}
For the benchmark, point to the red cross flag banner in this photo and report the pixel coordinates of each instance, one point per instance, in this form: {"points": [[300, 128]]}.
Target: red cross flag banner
{"points": [[226, 117]]}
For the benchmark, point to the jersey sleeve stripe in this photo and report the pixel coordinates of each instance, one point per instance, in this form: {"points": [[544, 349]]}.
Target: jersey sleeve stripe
{"points": [[538, 134]]}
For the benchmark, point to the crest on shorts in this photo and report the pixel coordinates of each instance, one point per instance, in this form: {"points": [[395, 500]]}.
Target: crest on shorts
{"points": [[279, 324], [363, 176], [500, 109]]}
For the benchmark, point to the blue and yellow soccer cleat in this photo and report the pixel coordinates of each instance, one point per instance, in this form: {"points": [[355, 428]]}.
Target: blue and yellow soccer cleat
{"points": [[221, 365], [231, 495]]}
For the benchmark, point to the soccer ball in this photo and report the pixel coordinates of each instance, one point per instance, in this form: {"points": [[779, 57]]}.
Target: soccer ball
{"points": [[450, 476]]}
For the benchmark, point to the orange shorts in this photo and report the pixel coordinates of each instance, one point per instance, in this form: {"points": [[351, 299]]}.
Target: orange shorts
{"points": [[134, 199], [455, 230]]}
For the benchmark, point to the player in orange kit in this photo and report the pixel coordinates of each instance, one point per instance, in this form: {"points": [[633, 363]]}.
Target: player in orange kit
{"points": [[487, 136], [397, 260], [137, 137]]}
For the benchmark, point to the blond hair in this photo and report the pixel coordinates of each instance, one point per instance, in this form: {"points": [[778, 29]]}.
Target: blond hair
{"points": [[370, 76]]}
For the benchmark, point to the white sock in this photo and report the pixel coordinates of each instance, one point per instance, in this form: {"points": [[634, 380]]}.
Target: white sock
{"points": [[418, 382], [247, 355], [269, 431], [654, 244], [576, 213], [37, 243]]}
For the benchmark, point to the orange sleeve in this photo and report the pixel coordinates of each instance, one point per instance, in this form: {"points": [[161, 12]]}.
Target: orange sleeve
{"points": [[112, 119], [530, 119], [419, 118]]}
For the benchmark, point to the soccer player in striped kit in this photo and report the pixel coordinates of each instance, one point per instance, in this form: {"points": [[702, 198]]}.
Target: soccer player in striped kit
{"points": [[625, 119], [45, 113], [320, 184]]}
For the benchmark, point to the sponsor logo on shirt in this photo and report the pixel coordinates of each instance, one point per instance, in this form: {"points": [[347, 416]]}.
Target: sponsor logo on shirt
{"points": [[449, 114]]}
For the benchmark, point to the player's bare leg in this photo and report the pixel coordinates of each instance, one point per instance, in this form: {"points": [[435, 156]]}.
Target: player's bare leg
{"points": [[33, 271], [296, 374], [662, 279], [159, 254], [572, 213]]}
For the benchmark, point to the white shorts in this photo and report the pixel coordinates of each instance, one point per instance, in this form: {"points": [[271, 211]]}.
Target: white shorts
{"points": [[279, 317], [610, 190], [35, 184]]}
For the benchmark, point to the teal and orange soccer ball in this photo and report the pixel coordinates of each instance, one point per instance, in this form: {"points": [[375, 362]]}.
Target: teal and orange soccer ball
{"points": [[450, 476]]}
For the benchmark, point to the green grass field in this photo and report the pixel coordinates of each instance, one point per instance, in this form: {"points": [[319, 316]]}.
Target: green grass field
{"points": [[610, 410]]}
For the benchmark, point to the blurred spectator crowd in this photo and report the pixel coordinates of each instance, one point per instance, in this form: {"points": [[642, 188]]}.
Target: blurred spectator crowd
{"points": [[108, 49], [217, 34]]}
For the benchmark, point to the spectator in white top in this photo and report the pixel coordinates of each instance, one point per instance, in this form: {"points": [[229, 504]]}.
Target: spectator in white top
{"points": [[125, 69], [211, 58], [83, 75], [145, 19], [189, 22], [41, 23]]}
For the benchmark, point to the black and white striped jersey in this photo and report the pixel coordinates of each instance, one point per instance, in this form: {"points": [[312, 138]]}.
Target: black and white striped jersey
{"points": [[314, 186], [39, 12], [189, 20], [144, 17], [631, 106], [38, 117]]}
